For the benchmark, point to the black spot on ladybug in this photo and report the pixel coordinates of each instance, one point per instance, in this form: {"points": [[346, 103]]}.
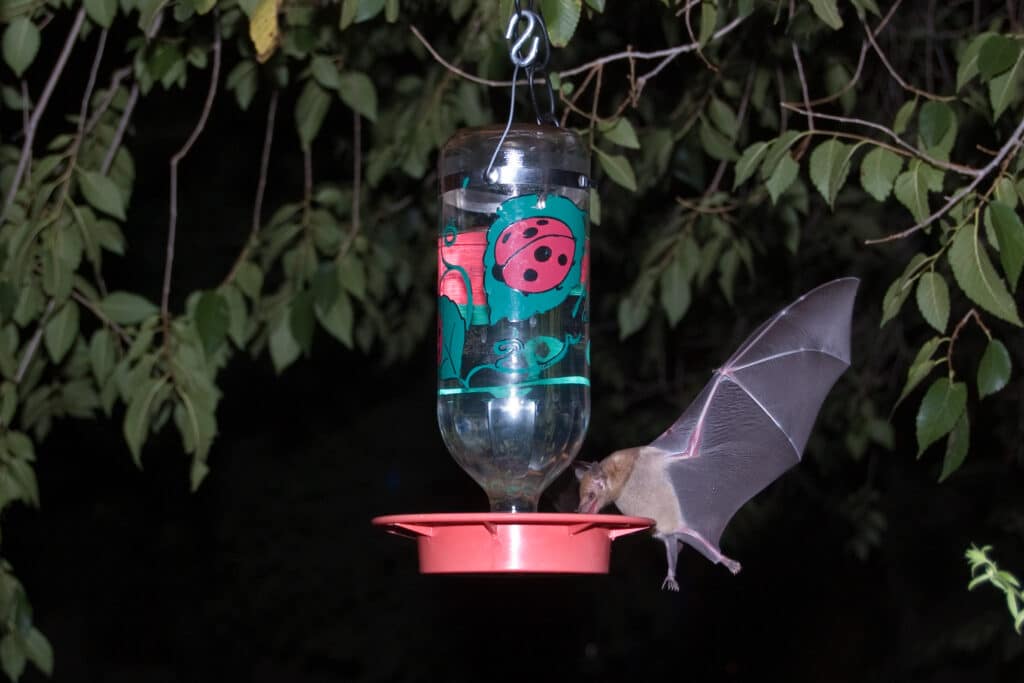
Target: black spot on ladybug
{"points": [[529, 232], [530, 275], [505, 238], [562, 259], [542, 221], [498, 274], [542, 254]]}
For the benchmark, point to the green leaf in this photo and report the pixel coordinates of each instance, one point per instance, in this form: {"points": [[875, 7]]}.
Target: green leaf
{"points": [[724, 118], [348, 13], [941, 407], [284, 349], [325, 71], [250, 279], [338, 320], [39, 651], [920, 368], [12, 656], [102, 193], [994, 369], [310, 110], [621, 133], [561, 17], [595, 207], [101, 11], [1006, 192], [20, 44], [102, 356], [978, 278], [957, 444], [715, 143], [779, 148], [749, 161], [708, 19], [1004, 89], [1010, 234], [302, 321], [968, 65], [126, 308], [197, 425], [358, 92], [828, 12], [996, 54], [139, 414], [878, 170], [244, 80], [61, 331], [933, 300], [8, 403], [618, 168], [903, 116], [212, 318], [911, 189], [675, 290], [783, 176], [352, 275], [829, 167], [326, 285], [934, 121]]}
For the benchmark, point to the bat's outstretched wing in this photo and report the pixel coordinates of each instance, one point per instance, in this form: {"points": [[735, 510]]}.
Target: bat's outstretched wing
{"points": [[751, 421]]}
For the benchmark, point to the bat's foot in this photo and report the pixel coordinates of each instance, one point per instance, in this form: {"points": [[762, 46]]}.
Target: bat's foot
{"points": [[670, 584], [730, 564]]}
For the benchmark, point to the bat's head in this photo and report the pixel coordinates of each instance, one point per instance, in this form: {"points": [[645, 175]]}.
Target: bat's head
{"points": [[595, 491], [602, 482]]}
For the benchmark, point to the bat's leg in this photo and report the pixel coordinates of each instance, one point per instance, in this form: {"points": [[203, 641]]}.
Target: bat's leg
{"points": [[672, 547], [707, 549]]}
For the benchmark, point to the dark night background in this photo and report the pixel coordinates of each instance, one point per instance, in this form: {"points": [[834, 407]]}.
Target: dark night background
{"points": [[272, 571]]}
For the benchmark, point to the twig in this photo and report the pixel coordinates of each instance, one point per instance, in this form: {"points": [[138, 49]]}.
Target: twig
{"points": [[593, 104], [33, 344], [37, 113], [938, 163], [179, 155], [666, 55], [1004, 152], [95, 310], [895, 74], [807, 99], [357, 167], [108, 97], [261, 186], [25, 114], [91, 83], [122, 126], [973, 313], [671, 52], [689, 31]]}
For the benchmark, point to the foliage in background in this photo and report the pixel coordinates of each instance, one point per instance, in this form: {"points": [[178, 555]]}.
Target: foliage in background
{"points": [[745, 143]]}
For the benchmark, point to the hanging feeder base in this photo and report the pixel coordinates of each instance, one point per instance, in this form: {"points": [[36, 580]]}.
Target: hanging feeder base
{"points": [[513, 542]]}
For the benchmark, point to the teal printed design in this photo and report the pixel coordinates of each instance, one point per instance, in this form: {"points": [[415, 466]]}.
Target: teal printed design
{"points": [[534, 256], [519, 389], [451, 340]]}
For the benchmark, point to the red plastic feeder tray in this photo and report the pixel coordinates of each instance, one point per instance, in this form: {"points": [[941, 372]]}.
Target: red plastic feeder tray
{"points": [[513, 542]]}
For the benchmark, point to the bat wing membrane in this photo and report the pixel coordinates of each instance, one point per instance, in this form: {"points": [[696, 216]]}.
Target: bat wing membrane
{"points": [[751, 422]]}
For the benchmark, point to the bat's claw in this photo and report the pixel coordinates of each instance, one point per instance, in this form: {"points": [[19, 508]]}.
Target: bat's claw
{"points": [[670, 584], [730, 564]]}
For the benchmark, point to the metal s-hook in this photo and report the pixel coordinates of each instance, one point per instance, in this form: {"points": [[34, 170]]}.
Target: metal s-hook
{"points": [[515, 50]]}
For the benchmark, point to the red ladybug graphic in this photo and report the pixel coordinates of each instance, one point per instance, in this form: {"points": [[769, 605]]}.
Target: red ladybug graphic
{"points": [[534, 254]]}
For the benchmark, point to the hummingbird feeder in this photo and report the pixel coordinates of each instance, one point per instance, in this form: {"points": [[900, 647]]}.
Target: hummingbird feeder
{"points": [[513, 343]]}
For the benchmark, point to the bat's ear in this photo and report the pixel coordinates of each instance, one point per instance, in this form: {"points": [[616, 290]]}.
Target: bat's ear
{"points": [[581, 467]]}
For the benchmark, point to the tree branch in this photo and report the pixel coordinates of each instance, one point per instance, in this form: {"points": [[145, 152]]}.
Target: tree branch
{"points": [[909, 149], [122, 126], [37, 113], [108, 98], [172, 226], [91, 83], [261, 186], [1004, 153], [33, 344], [895, 74], [807, 98]]}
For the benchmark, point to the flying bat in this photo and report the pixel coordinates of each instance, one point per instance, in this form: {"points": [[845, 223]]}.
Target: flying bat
{"points": [[746, 428]]}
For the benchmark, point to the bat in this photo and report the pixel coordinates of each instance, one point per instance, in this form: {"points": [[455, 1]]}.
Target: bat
{"points": [[747, 427]]}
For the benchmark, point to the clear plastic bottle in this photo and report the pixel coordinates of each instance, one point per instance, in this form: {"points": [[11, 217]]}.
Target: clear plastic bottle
{"points": [[513, 399]]}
